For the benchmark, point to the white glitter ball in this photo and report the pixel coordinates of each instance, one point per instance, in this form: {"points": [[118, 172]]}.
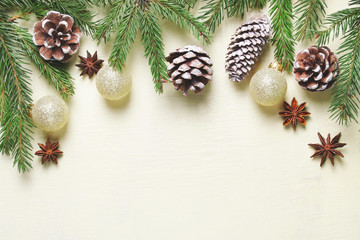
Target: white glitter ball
{"points": [[112, 84], [268, 87], [50, 113]]}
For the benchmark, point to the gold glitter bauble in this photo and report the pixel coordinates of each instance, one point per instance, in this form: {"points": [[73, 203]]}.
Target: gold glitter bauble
{"points": [[268, 87], [50, 113], [112, 84]]}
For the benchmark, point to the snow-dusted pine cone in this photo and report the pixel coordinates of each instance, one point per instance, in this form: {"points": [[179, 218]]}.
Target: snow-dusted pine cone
{"points": [[316, 69], [189, 68], [246, 46], [56, 36]]}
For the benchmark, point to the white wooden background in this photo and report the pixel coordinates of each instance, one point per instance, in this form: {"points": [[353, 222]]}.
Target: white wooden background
{"points": [[207, 167]]}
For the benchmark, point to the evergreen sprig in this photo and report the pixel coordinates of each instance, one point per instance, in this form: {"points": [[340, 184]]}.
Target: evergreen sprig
{"points": [[16, 51], [15, 134], [337, 23], [345, 102], [310, 14], [281, 13], [127, 17]]}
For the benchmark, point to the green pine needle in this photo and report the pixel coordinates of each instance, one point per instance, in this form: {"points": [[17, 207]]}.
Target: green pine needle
{"points": [[154, 48], [54, 72], [337, 23], [214, 11], [15, 93], [258, 4], [184, 3], [310, 14], [345, 104], [125, 36], [239, 7], [281, 19], [16, 124], [345, 99], [77, 10]]}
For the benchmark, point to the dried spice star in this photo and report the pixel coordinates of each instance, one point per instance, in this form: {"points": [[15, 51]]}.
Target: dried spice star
{"points": [[49, 152], [90, 65], [294, 114], [328, 148]]}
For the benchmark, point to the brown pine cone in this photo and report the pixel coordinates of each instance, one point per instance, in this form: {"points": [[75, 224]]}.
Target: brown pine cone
{"points": [[246, 47], [56, 36], [316, 69], [190, 68]]}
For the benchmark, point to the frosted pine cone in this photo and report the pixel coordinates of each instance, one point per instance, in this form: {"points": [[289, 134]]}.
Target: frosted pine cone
{"points": [[316, 69], [246, 47], [56, 36], [190, 68]]}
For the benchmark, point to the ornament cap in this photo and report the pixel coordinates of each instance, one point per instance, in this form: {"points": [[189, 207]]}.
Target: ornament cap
{"points": [[277, 66]]}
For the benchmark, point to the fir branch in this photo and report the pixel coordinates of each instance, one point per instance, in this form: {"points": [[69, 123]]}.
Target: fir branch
{"points": [[338, 22], [54, 72], [281, 18], [213, 13], [182, 18], [345, 99], [3, 98], [106, 26], [310, 14], [154, 48], [133, 20], [15, 134], [125, 37]]}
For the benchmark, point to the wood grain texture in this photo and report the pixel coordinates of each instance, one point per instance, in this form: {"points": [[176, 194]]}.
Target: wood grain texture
{"points": [[207, 167]]}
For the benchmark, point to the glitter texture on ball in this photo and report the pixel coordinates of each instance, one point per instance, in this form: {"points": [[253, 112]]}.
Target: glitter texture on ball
{"points": [[50, 113], [112, 84], [268, 87]]}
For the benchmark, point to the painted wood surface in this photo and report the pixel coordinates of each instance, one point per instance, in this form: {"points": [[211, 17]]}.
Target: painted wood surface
{"points": [[207, 167]]}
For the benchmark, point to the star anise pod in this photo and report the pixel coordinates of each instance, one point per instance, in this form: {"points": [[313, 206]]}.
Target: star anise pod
{"points": [[49, 152], [294, 114], [90, 65], [327, 148]]}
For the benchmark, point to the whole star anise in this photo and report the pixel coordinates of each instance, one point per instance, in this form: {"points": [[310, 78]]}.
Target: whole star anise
{"points": [[90, 65], [327, 148], [294, 113], [49, 152]]}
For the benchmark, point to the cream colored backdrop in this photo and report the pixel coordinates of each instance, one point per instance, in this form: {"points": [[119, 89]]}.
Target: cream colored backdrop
{"points": [[207, 167]]}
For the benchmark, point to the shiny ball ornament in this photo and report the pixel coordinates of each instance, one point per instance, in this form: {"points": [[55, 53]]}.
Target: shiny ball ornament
{"points": [[268, 87], [112, 84], [50, 113]]}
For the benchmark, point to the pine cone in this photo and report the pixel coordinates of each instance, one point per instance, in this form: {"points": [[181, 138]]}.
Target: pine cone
{"points": [[316, 69], [56, 37], [246, 47], [190, 68]]}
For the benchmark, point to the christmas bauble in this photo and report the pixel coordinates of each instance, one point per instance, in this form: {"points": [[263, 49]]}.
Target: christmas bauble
{"points": [[50, 113], [268, 87], [112, 84]]}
